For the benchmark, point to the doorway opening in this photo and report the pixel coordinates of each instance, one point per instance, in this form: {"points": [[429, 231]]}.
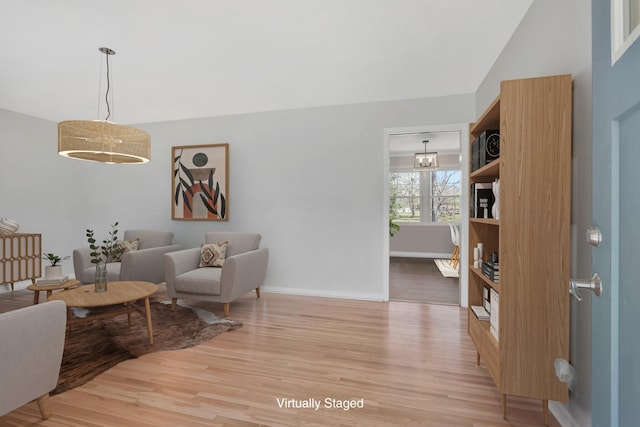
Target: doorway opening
{"points": [[422, 208]]}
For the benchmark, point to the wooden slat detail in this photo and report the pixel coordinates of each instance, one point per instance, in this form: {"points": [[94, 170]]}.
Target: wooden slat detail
{"points": [[20, 257]]}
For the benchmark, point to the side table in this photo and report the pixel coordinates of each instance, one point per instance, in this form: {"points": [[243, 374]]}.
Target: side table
{"points": [[50, 288]]}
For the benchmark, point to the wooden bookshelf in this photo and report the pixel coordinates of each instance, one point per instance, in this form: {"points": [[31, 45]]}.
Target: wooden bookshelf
{"points": [[531, 237]]}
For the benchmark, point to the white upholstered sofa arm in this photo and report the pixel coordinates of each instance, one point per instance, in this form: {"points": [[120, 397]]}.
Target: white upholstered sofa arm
{"points": [[145, 264], [31, 352], [81, 261], [244, 272]]}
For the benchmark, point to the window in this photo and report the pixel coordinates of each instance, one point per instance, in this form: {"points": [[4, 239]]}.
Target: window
{"points": [[425, 197], [625, 28]]}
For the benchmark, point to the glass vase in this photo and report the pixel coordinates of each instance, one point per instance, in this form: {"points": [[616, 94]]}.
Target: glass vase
{"points": [[101, 277]]}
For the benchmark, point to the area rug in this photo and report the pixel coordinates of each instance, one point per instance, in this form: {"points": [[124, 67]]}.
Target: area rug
{"points": [[445, 268], [95, 346]]}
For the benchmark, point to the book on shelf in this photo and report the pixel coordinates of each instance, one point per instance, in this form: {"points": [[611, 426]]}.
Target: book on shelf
{"points": [[475, 154], [483, 199], [494, 265], [485, 299], [490, 271], [48, 281], [494, 279], [490, 268], [472, 201], [482, 149], [494, 317], [480, 313]]}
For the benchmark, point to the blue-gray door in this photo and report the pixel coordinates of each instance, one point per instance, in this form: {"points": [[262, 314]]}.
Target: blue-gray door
{"points": [[616, 211]]}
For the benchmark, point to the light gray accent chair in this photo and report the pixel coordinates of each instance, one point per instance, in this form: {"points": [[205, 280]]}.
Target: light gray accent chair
{"points": [[31, 353], [244, 270], [144, 264]]}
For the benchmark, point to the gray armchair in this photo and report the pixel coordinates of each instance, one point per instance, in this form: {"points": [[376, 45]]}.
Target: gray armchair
{"points": [[244, 270], [31, 353], [144, 264]]}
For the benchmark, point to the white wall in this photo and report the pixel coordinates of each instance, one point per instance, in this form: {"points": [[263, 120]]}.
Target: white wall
{"points": [[38, 189], [421, 241], [309, 180], [555, 38]]}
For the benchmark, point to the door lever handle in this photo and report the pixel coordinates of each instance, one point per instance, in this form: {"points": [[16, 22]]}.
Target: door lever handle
{"points": [[595, 285]]}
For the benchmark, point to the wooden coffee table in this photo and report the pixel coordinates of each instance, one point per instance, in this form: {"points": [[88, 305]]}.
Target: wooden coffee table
{"points": [[125, 293], [50, 288]]}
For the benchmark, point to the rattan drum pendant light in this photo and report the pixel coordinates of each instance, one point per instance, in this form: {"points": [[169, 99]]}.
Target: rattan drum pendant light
{"points": [[101, 140]]}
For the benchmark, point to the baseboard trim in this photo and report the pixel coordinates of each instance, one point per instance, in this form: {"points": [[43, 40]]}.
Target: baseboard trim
{"points": [[322, 294], [401, 254], [562, 414]]}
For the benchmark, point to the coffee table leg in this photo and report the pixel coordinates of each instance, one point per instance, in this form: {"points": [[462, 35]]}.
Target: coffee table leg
{"points": [[69, 317], [147, 310], [36, 297]]}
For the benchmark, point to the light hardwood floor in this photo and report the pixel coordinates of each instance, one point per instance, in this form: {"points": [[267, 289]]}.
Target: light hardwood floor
{"points": [[412, 364]]}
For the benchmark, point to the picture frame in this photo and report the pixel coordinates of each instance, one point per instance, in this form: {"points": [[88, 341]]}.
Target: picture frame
{"points": [[200, 182]]}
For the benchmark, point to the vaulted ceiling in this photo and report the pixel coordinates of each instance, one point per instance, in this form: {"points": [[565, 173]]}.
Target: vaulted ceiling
{"points": [[199, 58]]}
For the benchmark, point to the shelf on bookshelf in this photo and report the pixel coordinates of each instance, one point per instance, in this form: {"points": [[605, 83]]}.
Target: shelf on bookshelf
{"points": [[489, 221], [489, 120], [478, 272], [489, 170]]}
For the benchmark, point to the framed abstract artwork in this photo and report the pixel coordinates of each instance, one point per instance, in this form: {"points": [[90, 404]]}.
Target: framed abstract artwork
{"points": [[200, 182]]}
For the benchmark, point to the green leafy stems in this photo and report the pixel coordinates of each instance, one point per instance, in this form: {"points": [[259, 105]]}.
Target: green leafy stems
{"points": [[208, 195], [54, 259], [393, 227], [109, 249]]}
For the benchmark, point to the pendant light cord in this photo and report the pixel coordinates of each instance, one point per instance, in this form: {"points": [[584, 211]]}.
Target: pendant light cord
{"points": [[107, 93]]}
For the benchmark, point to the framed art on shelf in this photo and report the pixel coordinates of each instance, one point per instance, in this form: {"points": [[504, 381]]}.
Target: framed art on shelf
{"points": [[199, 182]]}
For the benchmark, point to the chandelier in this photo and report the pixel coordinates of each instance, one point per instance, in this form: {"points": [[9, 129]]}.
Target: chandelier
{"points": [[101, 140], [425, 161]]}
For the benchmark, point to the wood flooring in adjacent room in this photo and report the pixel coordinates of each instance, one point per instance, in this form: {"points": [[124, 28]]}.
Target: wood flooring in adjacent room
{"points": [[412, 364], [419, 280]]}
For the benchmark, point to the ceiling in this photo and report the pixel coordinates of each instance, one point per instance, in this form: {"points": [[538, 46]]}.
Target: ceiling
{"points": [[408, 144], [201, 58]]}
